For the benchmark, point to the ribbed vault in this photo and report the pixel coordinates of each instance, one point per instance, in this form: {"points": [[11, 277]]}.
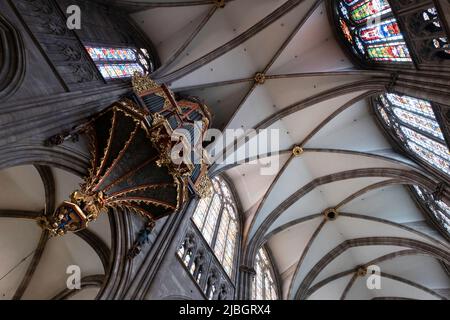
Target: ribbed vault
{"points": [[269, 64], [33, 264], [258, 64]]}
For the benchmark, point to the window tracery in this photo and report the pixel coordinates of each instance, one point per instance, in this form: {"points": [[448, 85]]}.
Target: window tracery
{"points": [[216, 218], [376, 35], [413, 121], [438, 208], [372, 30], [120, 63], [263, 285]]}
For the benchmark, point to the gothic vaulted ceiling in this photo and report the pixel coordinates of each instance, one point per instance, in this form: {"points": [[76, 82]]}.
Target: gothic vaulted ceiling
{"points": [[35, 266], [316, 98]]}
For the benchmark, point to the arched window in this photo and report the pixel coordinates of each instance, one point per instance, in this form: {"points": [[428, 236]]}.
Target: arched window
{"points": [[426, 24], [413, 122], [263, 286], [439, 210], [374, 34], [120, 63], [216, 218], [372, 30]]}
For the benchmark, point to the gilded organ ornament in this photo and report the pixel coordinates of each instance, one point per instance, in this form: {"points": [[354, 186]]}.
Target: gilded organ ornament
{"points": [[132, 165]]}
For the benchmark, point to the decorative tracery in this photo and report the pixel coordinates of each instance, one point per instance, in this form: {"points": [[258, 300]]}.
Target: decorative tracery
{"points": [[439, 209], [216, 218], [263, 286], [372, 30], [375, 34], [414, 123]]}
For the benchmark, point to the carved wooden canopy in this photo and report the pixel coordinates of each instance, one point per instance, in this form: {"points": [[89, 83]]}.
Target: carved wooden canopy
{"points": [[131, 161]]}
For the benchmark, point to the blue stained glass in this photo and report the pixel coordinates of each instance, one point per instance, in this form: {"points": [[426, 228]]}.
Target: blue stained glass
{"points": [[111, 54], [371, 30], [117, 63], [369, 9], [382, 31]]}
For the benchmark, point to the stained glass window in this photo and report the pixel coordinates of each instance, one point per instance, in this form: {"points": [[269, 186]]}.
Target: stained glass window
{"points": [[372, 30], [120, 63], [363, 10], [414, 122], [394, 52], [217, 220], [439, 209], [385, 30], [263, 285]]}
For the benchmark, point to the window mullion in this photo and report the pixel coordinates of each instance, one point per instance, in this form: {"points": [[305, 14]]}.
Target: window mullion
{"points": [[227, 236], [424, 133], [208, 211], [216, 228]]}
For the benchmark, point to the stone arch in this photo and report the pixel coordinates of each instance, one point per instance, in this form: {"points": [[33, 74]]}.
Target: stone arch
{"points": [[12, 59]]}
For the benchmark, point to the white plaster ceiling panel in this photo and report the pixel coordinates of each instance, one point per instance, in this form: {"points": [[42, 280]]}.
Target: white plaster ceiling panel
{"points": [[311, 117], [310, 204], [321, 198], [304, 169], [277, 94], [313, 48], [246, 176], [256, 143], [291, 179], [391, 203], [170, 27], [335, 232], [337, 191], [51, 274], [359, 290], [389, 288], [325, 163], [339, 133], [281, 244], [18, 241], [326, 240], [21, 189], [422, 269], [354, 257], [332, 290], [236, 18], [358, 227]]}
